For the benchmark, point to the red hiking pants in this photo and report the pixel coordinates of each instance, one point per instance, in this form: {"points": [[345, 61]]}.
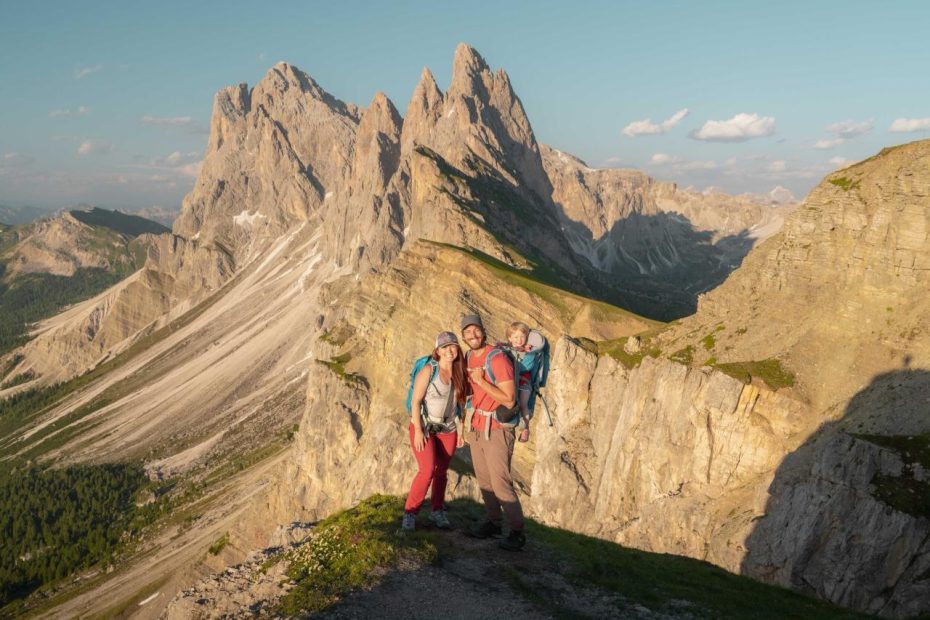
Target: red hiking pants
{"points": [[433, 461]]}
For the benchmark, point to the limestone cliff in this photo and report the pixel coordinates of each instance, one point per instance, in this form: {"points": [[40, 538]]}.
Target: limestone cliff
{"points": [[821, 485], [688, 460]]}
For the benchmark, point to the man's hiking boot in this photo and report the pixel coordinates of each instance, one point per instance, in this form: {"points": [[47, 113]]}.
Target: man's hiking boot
{"points": [[485, 530], [440, 520], [409, 523], [514, 542]]}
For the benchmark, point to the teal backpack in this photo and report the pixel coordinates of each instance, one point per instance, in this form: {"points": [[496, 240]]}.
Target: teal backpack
{"points": [[417, 367]]}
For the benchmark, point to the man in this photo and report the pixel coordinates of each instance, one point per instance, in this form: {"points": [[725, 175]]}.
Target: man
{"points": [[492, 448]]}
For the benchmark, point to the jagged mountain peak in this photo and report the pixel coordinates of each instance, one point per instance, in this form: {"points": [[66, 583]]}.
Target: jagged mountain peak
{"points": [[382, 108], [467, 69], [284, 76]]}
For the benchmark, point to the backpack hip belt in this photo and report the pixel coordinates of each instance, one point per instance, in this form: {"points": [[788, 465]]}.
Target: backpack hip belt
{"points": [[488, 416]]}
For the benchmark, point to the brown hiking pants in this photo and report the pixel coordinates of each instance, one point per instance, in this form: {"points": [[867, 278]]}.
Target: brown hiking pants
{"points": [[491, 459]]}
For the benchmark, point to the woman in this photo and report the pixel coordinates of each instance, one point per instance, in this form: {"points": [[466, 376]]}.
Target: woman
{"points": [[439, 392]]}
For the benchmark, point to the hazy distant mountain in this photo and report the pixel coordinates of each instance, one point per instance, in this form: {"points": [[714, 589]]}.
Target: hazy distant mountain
{"points": [[23, 215], [161, 215]]}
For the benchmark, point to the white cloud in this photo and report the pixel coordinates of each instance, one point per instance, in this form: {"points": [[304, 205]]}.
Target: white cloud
{"points": [[83, 72], [172, 121], [177, 158], [647, 127], [94, 147], [15, 160], [699, 165], [902, 125], [68, 112], [850, 129], [740, 128], [779, 165], [176, 163], [841, 162], [829, 143], [661, 159]]}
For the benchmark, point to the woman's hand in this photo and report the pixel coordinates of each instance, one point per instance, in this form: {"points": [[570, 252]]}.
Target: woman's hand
{"points": [[460, 442], [524, 435], [419, 439]]}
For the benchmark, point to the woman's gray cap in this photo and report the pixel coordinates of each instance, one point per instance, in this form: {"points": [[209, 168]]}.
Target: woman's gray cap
{"points": [[471, 319], [445, 338]]}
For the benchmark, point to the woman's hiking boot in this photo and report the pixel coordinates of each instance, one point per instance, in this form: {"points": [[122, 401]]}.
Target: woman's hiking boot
{"points": [[515, 541], [440, 520], [409, 523], [485, 530]]}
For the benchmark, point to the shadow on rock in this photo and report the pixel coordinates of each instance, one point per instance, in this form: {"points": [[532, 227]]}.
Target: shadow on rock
{"points": [[848, 517], [661, 262]]}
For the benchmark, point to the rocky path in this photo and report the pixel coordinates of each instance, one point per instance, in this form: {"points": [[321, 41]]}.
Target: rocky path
{"points": [[476, 579]]}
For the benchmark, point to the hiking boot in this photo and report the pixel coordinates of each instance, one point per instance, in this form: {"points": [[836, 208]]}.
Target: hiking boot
{"points": [[514, 542], [409, 523], [440, 520], [485, 530]]}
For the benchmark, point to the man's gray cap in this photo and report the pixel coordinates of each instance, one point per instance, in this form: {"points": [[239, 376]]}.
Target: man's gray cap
{"points": [[471, 319]]}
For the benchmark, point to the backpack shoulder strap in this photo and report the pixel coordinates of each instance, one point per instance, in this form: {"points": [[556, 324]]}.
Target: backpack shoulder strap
{"points": [[493, 353]]}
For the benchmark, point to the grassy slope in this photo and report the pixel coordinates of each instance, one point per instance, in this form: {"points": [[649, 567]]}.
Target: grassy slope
{"points": [[541, 284], [355, 548]]}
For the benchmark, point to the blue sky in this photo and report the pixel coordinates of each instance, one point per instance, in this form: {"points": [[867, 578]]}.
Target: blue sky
{"points": [[109, 102]]}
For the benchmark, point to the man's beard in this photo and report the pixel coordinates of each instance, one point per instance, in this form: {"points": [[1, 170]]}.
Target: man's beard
{"points": [[480, 346]]}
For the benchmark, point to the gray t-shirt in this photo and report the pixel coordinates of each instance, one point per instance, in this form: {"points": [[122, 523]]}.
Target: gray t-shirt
{"points": [[440, 404]]}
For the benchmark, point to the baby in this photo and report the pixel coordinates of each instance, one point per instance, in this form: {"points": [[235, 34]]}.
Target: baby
{"points": [[517, 334]]}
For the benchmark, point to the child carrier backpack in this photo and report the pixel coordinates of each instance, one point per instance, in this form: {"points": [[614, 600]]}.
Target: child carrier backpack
{"points": [[536, 362], [508, 417]]}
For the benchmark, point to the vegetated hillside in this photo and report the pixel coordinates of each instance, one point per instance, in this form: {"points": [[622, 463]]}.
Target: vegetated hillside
{"points": [[59, 521], [52, 264]]}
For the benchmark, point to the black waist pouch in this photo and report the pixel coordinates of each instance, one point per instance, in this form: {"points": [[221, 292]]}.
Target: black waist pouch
{"points": [[507, 415]]}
